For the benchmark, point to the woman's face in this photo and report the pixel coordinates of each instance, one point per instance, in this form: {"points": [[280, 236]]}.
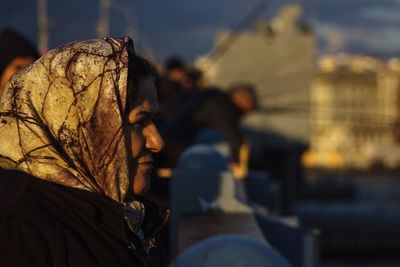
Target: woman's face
{"points": [[143, 136]]}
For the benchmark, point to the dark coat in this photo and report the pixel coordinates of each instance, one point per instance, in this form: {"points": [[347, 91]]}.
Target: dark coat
{"points": [[46, 224]]}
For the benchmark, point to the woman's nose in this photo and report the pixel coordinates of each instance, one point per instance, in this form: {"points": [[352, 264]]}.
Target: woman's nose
{"points": [[154, 141]]}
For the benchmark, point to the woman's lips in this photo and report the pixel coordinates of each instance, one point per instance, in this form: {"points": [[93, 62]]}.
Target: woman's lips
{"points": [[146, 161]]}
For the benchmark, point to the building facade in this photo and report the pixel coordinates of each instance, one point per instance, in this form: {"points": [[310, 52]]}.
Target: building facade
{"points": [[354, 110]]}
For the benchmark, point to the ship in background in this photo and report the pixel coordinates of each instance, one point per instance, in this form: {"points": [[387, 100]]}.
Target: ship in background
{"points": [[277, 56]]}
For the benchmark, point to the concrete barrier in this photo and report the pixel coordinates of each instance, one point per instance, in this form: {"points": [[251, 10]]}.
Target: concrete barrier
{"points": [[201, 183], [231, 251]]}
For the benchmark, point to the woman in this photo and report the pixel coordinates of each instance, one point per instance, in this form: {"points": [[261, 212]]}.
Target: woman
{"points": [[76, 138]]}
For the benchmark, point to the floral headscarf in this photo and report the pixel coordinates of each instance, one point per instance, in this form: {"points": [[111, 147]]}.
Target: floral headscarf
{"points": [[61, 119]]}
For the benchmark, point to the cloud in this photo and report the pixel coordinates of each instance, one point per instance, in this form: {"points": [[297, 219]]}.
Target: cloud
{"points": [[333, 37], [375, 40], [336, 38], [383, 14], [386, 40], [185, 43]]}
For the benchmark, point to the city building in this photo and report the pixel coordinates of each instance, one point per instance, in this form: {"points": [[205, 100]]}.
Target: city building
{"points": [[354, 113]]}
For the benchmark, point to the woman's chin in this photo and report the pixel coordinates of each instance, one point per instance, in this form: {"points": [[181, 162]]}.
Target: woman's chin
{"points": [[141, 182]]}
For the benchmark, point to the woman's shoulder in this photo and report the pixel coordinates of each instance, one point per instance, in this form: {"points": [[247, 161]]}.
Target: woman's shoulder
{"points": [[21, 237], [13, 185]]}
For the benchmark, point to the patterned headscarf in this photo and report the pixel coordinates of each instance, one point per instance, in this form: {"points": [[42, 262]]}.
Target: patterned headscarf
{"points": [[61, 119]]}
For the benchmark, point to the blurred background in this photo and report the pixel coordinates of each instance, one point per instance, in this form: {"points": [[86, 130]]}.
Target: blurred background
{"points": [[327, 81], [190, 28]]}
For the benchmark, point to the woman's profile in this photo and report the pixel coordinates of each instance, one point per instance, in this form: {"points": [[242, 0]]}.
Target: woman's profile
{"points": [[76, 143]]}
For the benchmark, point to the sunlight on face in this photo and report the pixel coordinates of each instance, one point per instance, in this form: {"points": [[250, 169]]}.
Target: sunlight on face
{"points": [[143, 136]]}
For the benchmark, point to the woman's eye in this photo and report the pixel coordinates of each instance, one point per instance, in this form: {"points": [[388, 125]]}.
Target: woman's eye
{"points": [[141, 123]]}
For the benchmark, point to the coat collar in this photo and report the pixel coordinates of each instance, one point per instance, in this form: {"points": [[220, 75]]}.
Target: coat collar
{"points": [[101, 210]]}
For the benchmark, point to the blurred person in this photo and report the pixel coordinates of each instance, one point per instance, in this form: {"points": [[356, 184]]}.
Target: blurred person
{"points": [[180, 75], [77, 144], [243, 95], [191, 112], [174, 69], [192, 79], [16, 52], [170, 83], [211, 108]]}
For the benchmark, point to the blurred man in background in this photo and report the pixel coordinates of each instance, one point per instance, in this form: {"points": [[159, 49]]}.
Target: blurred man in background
{"points": [[16, 52], [210, 108]]}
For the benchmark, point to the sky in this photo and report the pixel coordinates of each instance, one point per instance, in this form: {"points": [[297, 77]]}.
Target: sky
{"points": [[188, 28]]}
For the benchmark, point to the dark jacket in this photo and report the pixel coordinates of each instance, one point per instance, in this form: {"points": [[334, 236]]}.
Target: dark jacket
{"points": [[46, 224]]}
